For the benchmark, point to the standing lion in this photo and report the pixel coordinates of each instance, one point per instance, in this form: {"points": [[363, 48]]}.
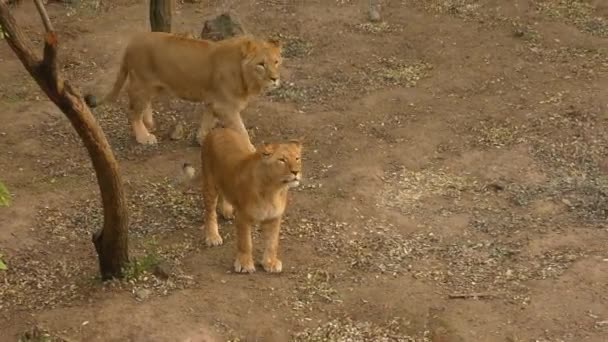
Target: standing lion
{"points": [[224, 74]]}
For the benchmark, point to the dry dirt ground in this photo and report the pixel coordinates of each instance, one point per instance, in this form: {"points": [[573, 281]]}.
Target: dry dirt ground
{"points": [[456, 181]]}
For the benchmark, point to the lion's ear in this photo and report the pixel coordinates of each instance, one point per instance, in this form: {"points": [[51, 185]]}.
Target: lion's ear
{"points": [[275, 42], [266, 150], [297, 141], [248, 48]]}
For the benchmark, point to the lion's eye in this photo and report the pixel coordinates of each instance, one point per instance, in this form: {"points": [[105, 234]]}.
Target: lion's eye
{"points": [[282, 160], [262, 64], [298, 159]]}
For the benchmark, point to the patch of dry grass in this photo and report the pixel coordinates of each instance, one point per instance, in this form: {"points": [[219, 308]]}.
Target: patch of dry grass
{"points": [[378, 73], [579, 13], [294, 46], [405, 190], [494, 133], [313, 286], [345, 329], [38, 334], [382, 27], [396, 72], [38, 277]]}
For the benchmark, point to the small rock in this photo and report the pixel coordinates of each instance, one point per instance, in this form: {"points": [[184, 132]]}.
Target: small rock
{"points": [[162, 271], [178, 132], [142, 294], [566, 202], [496, 186], [518, 33]]}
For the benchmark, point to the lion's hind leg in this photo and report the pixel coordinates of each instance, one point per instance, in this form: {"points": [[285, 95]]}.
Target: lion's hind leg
{"points": [[210, 196], [226, 209], [141, 108]]}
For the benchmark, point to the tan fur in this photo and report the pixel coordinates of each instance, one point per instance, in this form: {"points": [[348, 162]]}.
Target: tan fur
{"points": [[252, 186], [225, 75]]}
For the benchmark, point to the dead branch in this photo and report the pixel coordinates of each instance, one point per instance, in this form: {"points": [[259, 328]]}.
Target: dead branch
{"points": [[45, 17], [111, 242]]}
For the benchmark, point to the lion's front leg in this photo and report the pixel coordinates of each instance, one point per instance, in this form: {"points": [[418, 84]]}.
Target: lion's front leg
{"points": [[231, 118], [244, 255], [270, 230], [208, 121]]}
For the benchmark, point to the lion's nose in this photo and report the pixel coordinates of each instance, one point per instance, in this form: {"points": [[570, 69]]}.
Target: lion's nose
{"points": [[295, 173], [274, 78]]}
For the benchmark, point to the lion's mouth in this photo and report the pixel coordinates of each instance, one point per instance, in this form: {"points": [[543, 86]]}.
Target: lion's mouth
{"points": [[292, 182]]}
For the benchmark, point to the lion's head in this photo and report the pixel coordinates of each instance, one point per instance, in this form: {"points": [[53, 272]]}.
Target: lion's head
{"points": [[282, 162], [262, 59]]}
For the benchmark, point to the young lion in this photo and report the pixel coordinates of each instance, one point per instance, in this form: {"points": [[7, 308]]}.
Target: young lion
{"points": [[224, 74], [252, 186]]}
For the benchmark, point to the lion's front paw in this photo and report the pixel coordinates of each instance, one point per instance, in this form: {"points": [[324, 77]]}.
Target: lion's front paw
{"points": [[244, 264], [273, 266], [213, 240], [212, 237], [149, 139]]}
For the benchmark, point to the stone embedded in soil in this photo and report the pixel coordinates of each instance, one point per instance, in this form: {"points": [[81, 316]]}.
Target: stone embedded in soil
{"points": [[178, 132], [224, 26], [143, 294], [162, 271], [373, 13]]}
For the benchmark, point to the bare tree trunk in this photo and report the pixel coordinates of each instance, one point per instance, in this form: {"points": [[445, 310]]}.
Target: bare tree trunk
{"points": [[160, 15], [111, 243]]}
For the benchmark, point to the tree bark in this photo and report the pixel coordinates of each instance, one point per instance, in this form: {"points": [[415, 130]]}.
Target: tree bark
{"points": [[111, 243], [160, 15]]}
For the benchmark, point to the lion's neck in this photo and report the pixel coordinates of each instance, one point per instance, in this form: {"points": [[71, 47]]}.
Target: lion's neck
{"points": [[250, 86]]}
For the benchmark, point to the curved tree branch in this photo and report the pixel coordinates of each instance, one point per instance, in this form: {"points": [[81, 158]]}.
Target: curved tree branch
{"points": [[111, 243]]}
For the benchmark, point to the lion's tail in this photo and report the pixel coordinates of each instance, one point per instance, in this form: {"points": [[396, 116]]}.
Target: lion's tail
{"points": [[91, 100]]}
